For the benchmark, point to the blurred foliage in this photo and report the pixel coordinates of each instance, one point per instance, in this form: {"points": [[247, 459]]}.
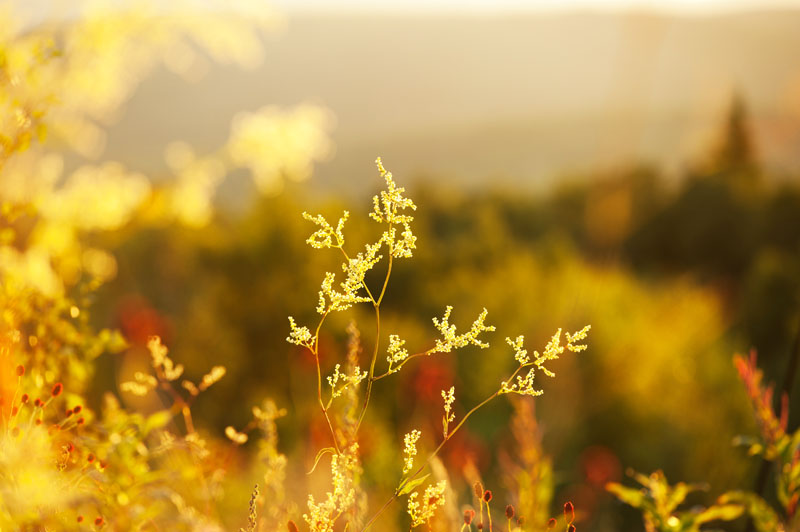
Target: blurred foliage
{"points": [[674, 278], [65, 462], [659, 501]]}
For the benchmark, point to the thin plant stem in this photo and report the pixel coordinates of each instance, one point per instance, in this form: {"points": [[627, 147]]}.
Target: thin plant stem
{"points": [[371, 376], [439, 448]]}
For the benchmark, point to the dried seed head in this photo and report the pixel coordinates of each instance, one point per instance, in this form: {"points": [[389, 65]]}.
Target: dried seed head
{"points": [[24, 398], [76, 409], [569, 512], [20, 370], [38, 402], [57, 389], [510, 512], [469, 515], [80, 519], [487, 496], [551, 523], [98, 521], [478, 487]]}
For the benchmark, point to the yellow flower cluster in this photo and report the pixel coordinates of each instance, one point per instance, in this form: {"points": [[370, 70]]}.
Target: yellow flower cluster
{"points": [[299, 335], [422, 512], [235, 436], [355, 269], [397, 353], [321, 517], [324, 236], [524, 385], [338, 389], [141, 384], [410, 449], [449, 416], [450, 340], [210, 378], [165, 368], [158, 352], [520, 353], [385, 210]]}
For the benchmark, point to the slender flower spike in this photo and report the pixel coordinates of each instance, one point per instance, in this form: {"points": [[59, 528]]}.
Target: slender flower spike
{"points": [[410, 449], [212, 377], [520, 353], [158, 352], [355, 270], [322, 516], [235, 436], [524, 385], [340, 381], [397, 353], [142, 384], [325, 236], [450, 340], [449, 415], [422, 511], [299, 335], [386, 210]]}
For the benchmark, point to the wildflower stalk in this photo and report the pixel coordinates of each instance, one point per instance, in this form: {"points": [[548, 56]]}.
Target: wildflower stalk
{"points": [[315, 352], [377, 305], [435, 452], [323, 407]]}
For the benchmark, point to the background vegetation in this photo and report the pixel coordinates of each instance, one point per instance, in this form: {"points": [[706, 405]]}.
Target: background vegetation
{"points": [[675, 274]]}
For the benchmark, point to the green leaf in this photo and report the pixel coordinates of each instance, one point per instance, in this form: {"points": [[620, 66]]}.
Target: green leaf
{"points": [[678, 494], [411, 485], [629, 496], [723, 512], [764, 517], [322, 452]]}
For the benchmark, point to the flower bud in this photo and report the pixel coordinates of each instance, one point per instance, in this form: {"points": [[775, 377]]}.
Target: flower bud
{"points": [[510, 512], [469, 515]]}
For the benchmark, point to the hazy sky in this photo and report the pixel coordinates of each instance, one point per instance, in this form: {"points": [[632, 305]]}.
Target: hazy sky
{"points": [[683, 6]]}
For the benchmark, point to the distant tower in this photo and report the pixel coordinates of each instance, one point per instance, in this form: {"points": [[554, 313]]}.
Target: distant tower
{"points": [[734, 158]]}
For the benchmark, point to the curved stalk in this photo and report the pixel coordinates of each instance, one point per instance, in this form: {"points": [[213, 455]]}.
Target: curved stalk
{"points": [[440, 446]]}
